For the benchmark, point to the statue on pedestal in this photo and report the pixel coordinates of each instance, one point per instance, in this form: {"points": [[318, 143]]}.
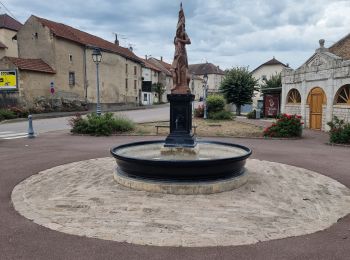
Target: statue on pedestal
{"points": [[179, 68]]}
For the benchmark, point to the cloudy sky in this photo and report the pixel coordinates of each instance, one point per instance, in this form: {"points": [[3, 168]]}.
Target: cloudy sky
{"points": [[225, 32]]}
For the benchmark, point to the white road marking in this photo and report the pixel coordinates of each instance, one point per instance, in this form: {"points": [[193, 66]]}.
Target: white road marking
{"points": [[12, 135]]}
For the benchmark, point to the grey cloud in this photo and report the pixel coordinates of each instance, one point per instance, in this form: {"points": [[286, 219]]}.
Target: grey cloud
{"points": [[225, 32]]}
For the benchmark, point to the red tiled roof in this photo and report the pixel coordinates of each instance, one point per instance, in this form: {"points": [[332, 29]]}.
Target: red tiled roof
{"points": [[8, 22], [75, 35], [273, 61], [2, 46], [205, 68], [150, 65], [163, 66], [31, 64]]}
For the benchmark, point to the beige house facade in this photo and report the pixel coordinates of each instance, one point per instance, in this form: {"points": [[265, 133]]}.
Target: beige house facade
{"points": [[214, 73], [266, 71], [150, 76], [68, 51], [164, 76], [8, 30]]}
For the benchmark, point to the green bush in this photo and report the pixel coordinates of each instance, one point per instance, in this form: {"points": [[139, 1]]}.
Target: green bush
{"points": [[215, 103], [6, 114], [340, 131], [252, 114], [19, 111], [285, 126], [221, 115], [105, 124]]}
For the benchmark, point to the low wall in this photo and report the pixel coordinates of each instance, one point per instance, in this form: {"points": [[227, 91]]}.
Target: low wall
{"points": [[292, 109], [9, 99], [342, 112]]}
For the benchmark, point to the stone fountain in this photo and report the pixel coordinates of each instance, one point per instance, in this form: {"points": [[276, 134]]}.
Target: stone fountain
{"points": [[181, 164]]}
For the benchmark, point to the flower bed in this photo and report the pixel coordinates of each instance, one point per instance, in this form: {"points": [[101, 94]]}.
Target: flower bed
{"points": [[286, 126]]}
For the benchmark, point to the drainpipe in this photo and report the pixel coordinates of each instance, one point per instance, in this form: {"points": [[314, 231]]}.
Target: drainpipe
{"points": [[85, 75]]}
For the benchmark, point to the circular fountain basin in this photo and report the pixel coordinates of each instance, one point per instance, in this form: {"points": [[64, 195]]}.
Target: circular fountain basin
{"points": [[213, 167]]}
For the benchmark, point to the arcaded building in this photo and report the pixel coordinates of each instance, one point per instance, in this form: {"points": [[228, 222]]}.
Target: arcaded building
{"points": [[320, 88]]}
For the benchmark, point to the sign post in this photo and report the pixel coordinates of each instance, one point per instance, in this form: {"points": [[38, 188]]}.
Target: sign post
{"points": [[52, 91]]}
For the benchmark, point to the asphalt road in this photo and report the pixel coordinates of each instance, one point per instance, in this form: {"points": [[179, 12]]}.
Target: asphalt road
{"points": [[61, 123], [20, 238]]}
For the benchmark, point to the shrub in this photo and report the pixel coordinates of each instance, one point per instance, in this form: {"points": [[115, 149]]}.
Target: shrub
{"points": [[105, 124], [19, 111], [215, 103], [221, 115], [6, 114], [199, 111], [340, 131], [285, 126], [252, 114]]}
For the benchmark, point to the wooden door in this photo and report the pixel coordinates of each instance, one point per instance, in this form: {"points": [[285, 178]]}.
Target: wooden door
{"points": [[316, 101]]}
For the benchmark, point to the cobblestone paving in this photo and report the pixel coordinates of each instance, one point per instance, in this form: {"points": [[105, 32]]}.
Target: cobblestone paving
{"points": [[278, 201]]}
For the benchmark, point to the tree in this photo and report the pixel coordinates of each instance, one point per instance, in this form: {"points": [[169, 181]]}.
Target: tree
{"points": [[159, 89], [238, 87], [274, 82]]}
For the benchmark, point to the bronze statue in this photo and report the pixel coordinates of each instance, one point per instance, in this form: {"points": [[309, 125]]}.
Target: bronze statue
{"points": [[179, 68]]}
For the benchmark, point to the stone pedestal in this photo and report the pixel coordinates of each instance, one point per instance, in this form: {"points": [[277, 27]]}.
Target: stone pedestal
{"points": [[180, 121]]}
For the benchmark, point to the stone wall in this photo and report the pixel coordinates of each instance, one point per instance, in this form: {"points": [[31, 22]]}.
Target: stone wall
{"points": [[6, 38], [293, 109], [9, 98], [342, 112]]}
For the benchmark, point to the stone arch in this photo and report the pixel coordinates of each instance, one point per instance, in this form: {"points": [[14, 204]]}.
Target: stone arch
{"points": [[342, 97], [317, 90], [316, 99], [293, 96]]}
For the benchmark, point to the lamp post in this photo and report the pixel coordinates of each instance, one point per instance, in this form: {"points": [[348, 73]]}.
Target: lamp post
{"points": [[192, 91], [97, 57], [205, 93]]}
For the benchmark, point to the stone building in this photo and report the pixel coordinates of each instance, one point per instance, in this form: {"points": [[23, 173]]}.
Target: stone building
{"points": [[262, 72], [196, 86], [150, 75], [165, 77], [8, 29], [215, 74], [68, 51], [320, 88]]}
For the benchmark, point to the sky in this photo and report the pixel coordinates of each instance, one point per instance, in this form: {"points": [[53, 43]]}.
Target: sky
{"points": [[227, 33]]}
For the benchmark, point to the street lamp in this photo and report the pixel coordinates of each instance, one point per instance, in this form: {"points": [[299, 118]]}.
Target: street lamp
{"points": [[97, 57], [205, 93], [192, 92]]}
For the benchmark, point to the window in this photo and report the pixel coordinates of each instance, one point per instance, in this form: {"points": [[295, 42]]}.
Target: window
{"points": [[343, 95], [135, 84], [126, 68], [126, 84], [293, 97], [70, 57], [71, 79], [135, 70], [263, 77], [145, 97]]}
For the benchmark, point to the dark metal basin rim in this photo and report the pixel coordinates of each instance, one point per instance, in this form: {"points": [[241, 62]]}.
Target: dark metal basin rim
{"points": [[181, 170]]}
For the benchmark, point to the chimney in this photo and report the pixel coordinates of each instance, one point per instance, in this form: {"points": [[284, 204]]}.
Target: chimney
{"points": [[146, 57], [131, 48], [116, 41], [161, 58]]}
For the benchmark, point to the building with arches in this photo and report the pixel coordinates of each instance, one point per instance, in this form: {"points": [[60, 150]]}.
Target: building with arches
{"points": [[320, 88]]}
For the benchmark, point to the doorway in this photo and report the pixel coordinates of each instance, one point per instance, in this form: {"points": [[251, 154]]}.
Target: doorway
{"points": [[316, 99]]}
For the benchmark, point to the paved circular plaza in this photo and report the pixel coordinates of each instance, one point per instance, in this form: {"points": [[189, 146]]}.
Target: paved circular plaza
{"points": [[278, 201]]}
